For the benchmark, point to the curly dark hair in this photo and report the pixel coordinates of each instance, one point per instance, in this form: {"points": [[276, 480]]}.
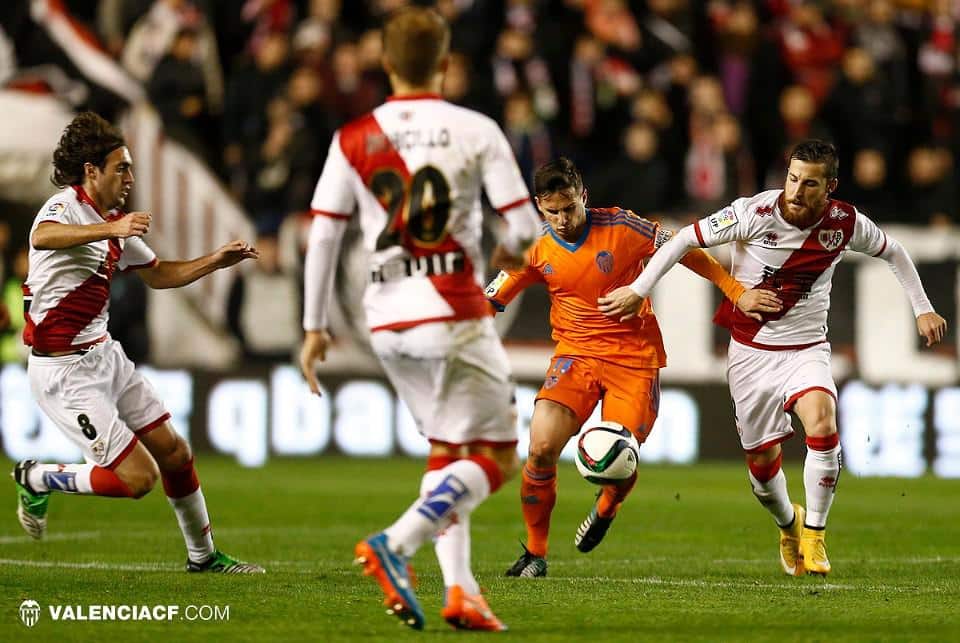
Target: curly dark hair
{"points": [[87, 139]]}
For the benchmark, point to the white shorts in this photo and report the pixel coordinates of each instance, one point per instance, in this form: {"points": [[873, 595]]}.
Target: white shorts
{"points": [[766, 384], [97, 399], [455, 378]]}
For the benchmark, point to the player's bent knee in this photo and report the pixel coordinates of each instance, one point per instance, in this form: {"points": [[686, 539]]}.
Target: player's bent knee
{"points": [[543, 453], [178, 457], [141, 482]]}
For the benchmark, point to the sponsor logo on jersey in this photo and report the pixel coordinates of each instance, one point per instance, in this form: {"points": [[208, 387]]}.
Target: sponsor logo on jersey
{"points": [[722, 220], [838, 214], [770, 239], [55, 210], [604, 261], [830, 239]]}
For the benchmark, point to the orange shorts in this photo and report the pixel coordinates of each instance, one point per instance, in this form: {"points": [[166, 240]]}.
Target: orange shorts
{"points": [[631, 396]]}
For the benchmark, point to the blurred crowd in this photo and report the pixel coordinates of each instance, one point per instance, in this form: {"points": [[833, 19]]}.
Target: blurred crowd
{"points": [[669, 106]]}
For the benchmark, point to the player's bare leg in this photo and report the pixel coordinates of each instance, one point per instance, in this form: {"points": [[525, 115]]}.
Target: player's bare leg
{"points": [[182, 487], [817, 411], [551, 427], [769, 485]]}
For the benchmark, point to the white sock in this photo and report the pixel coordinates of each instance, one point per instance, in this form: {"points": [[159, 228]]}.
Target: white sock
{"points": [[194, 524], [463, 485], [452, 544], [820, 473], [67, 478], [773, 495]]}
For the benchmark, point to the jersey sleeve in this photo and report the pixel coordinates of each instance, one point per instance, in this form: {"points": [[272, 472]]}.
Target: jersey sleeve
{"points": [[509, 283], [334, 196], [732, 223], [502, 181], [136, 255], [56, 212], [868, 238]]}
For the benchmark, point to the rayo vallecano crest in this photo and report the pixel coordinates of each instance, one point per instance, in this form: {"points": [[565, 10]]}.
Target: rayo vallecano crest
{"points": [[830, 239]]}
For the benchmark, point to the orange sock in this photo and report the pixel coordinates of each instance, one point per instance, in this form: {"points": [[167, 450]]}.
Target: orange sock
{"points": [[538, 494], [613, 496]]}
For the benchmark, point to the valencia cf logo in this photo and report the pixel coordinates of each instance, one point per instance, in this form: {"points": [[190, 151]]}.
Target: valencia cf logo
{"points": [[604, 261], [830, 239]]}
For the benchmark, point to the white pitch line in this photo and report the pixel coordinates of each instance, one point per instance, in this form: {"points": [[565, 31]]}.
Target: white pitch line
{"points": [[917, 560], [77, 535], [656, 580]]}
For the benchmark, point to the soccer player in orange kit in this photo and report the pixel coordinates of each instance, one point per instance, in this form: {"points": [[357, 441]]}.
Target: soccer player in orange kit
{"points": [[582, 254]]}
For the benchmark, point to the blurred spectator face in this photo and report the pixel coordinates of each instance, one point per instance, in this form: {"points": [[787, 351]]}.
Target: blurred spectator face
{"points": [[869, 169], [797, 104], [456, 82], [666, 7], [742, 21], [641, 142], [806, 15], [346, 61], [304, 87], [682, 69], [518, 112], [726, 131], [311, 43], [21, 263], [651, 106], [184, 46], [881, 11], [326, 10], [370, 49], [588, 50], [514, 45], [858, 66], [706, 95], [925, 166], [272, 52]]}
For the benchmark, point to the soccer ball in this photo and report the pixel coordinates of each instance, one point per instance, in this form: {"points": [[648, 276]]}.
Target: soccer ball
{"points": [[607, 453]]}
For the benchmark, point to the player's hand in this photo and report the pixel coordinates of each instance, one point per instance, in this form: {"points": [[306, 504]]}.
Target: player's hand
{"points": [[235, 252], [315, 343], [621, 304], [932, 327], [755, 301], [501, 259], [134, 224]]}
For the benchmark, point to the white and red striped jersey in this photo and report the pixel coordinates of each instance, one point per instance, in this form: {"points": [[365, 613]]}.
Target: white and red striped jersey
{"points": [[797, 263], [414, 168], [67, 292]]}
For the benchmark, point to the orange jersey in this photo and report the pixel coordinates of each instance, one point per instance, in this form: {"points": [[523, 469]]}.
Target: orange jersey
{"points": [[609, 254]]}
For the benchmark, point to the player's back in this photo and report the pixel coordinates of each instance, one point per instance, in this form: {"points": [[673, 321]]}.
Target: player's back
{"points": [[609, 254], [414, 168]]}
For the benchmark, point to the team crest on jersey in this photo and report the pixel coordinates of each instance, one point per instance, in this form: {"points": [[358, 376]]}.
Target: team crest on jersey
{"points": [[604, 261], [838, 214], [723, 219], [764, 211], [830, 239], [548, 269]]}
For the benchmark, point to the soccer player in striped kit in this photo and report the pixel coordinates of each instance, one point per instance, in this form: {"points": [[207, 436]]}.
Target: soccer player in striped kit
{"points": [[788, 241], [80, 377]]}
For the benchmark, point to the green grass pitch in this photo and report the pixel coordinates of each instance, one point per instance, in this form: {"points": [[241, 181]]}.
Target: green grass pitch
{"points": [[691, 557]]}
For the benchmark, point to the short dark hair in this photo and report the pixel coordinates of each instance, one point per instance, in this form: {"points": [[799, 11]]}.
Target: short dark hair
{"points": [[415, 40], [87, 139], [817, 151], [559, 174]]}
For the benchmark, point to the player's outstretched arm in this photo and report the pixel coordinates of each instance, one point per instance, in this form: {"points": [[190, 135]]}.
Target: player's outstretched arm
{"points": [[623, 302], [751, 302], [174, 274], [51, 235], [930, 325]]}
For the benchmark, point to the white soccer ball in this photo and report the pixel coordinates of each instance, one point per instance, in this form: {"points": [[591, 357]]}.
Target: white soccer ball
{"points": [[607, 453]]}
